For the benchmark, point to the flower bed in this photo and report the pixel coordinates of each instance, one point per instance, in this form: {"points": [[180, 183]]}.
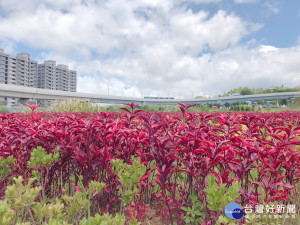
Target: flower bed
{"points": [[172, 160]]}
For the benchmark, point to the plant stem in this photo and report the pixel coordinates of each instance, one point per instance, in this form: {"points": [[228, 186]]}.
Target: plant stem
{"points": [[30, 213]]}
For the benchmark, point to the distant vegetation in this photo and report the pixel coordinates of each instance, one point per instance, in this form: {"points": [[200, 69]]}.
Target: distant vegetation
{"points": [[74, 106], [248, 91], [3, 109]]}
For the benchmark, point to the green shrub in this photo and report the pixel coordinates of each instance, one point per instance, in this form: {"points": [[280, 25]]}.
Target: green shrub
{"points": [[74, 106], [4, 110]]}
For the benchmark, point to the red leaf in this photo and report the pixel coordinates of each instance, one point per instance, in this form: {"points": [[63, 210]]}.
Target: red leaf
{"points": [[78, 189]]}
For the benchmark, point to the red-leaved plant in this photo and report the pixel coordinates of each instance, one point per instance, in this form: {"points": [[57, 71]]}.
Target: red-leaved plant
{"points": [[179, 150]]}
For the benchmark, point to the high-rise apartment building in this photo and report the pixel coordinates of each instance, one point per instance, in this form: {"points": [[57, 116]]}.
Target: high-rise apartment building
{"points": [[8, 71], [8, 68], [47, 75], [73, 80], [57, 77], [62, 78], [23, 71], [26, 70]]}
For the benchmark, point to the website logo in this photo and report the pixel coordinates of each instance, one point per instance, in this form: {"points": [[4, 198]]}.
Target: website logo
{"points": [[233, 211]]}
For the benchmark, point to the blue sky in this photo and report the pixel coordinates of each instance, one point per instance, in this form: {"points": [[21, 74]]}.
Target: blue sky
{"points": [[280, 19], [179, 48]]}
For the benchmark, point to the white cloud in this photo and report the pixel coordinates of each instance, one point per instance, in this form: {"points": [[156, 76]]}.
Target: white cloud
{"points": [[245, 1], [113, 26], [194, 31], [267, 48], [8, 46], [272, 7], [147, 47], [184, 75], [201, 1]]}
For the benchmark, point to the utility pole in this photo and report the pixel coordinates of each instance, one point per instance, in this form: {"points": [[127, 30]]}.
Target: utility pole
{"points": [[108, 89]]}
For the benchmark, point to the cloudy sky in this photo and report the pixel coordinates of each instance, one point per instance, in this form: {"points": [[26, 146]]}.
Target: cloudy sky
{"points": [[180, 48]]}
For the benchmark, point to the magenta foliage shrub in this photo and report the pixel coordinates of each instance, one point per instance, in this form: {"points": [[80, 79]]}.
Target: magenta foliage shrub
{"points": [[227, 145]]}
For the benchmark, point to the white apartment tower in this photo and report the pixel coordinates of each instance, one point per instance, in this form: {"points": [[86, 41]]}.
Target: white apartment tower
{"points": [[62, 78], [47, 75], [8, 68], [26, 71], [8, 71], [57, 77], [73, 80], [23, 71]]}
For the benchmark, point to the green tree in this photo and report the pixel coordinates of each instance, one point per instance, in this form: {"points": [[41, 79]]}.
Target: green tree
{"points": [[246, 91], [283, 102]]}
